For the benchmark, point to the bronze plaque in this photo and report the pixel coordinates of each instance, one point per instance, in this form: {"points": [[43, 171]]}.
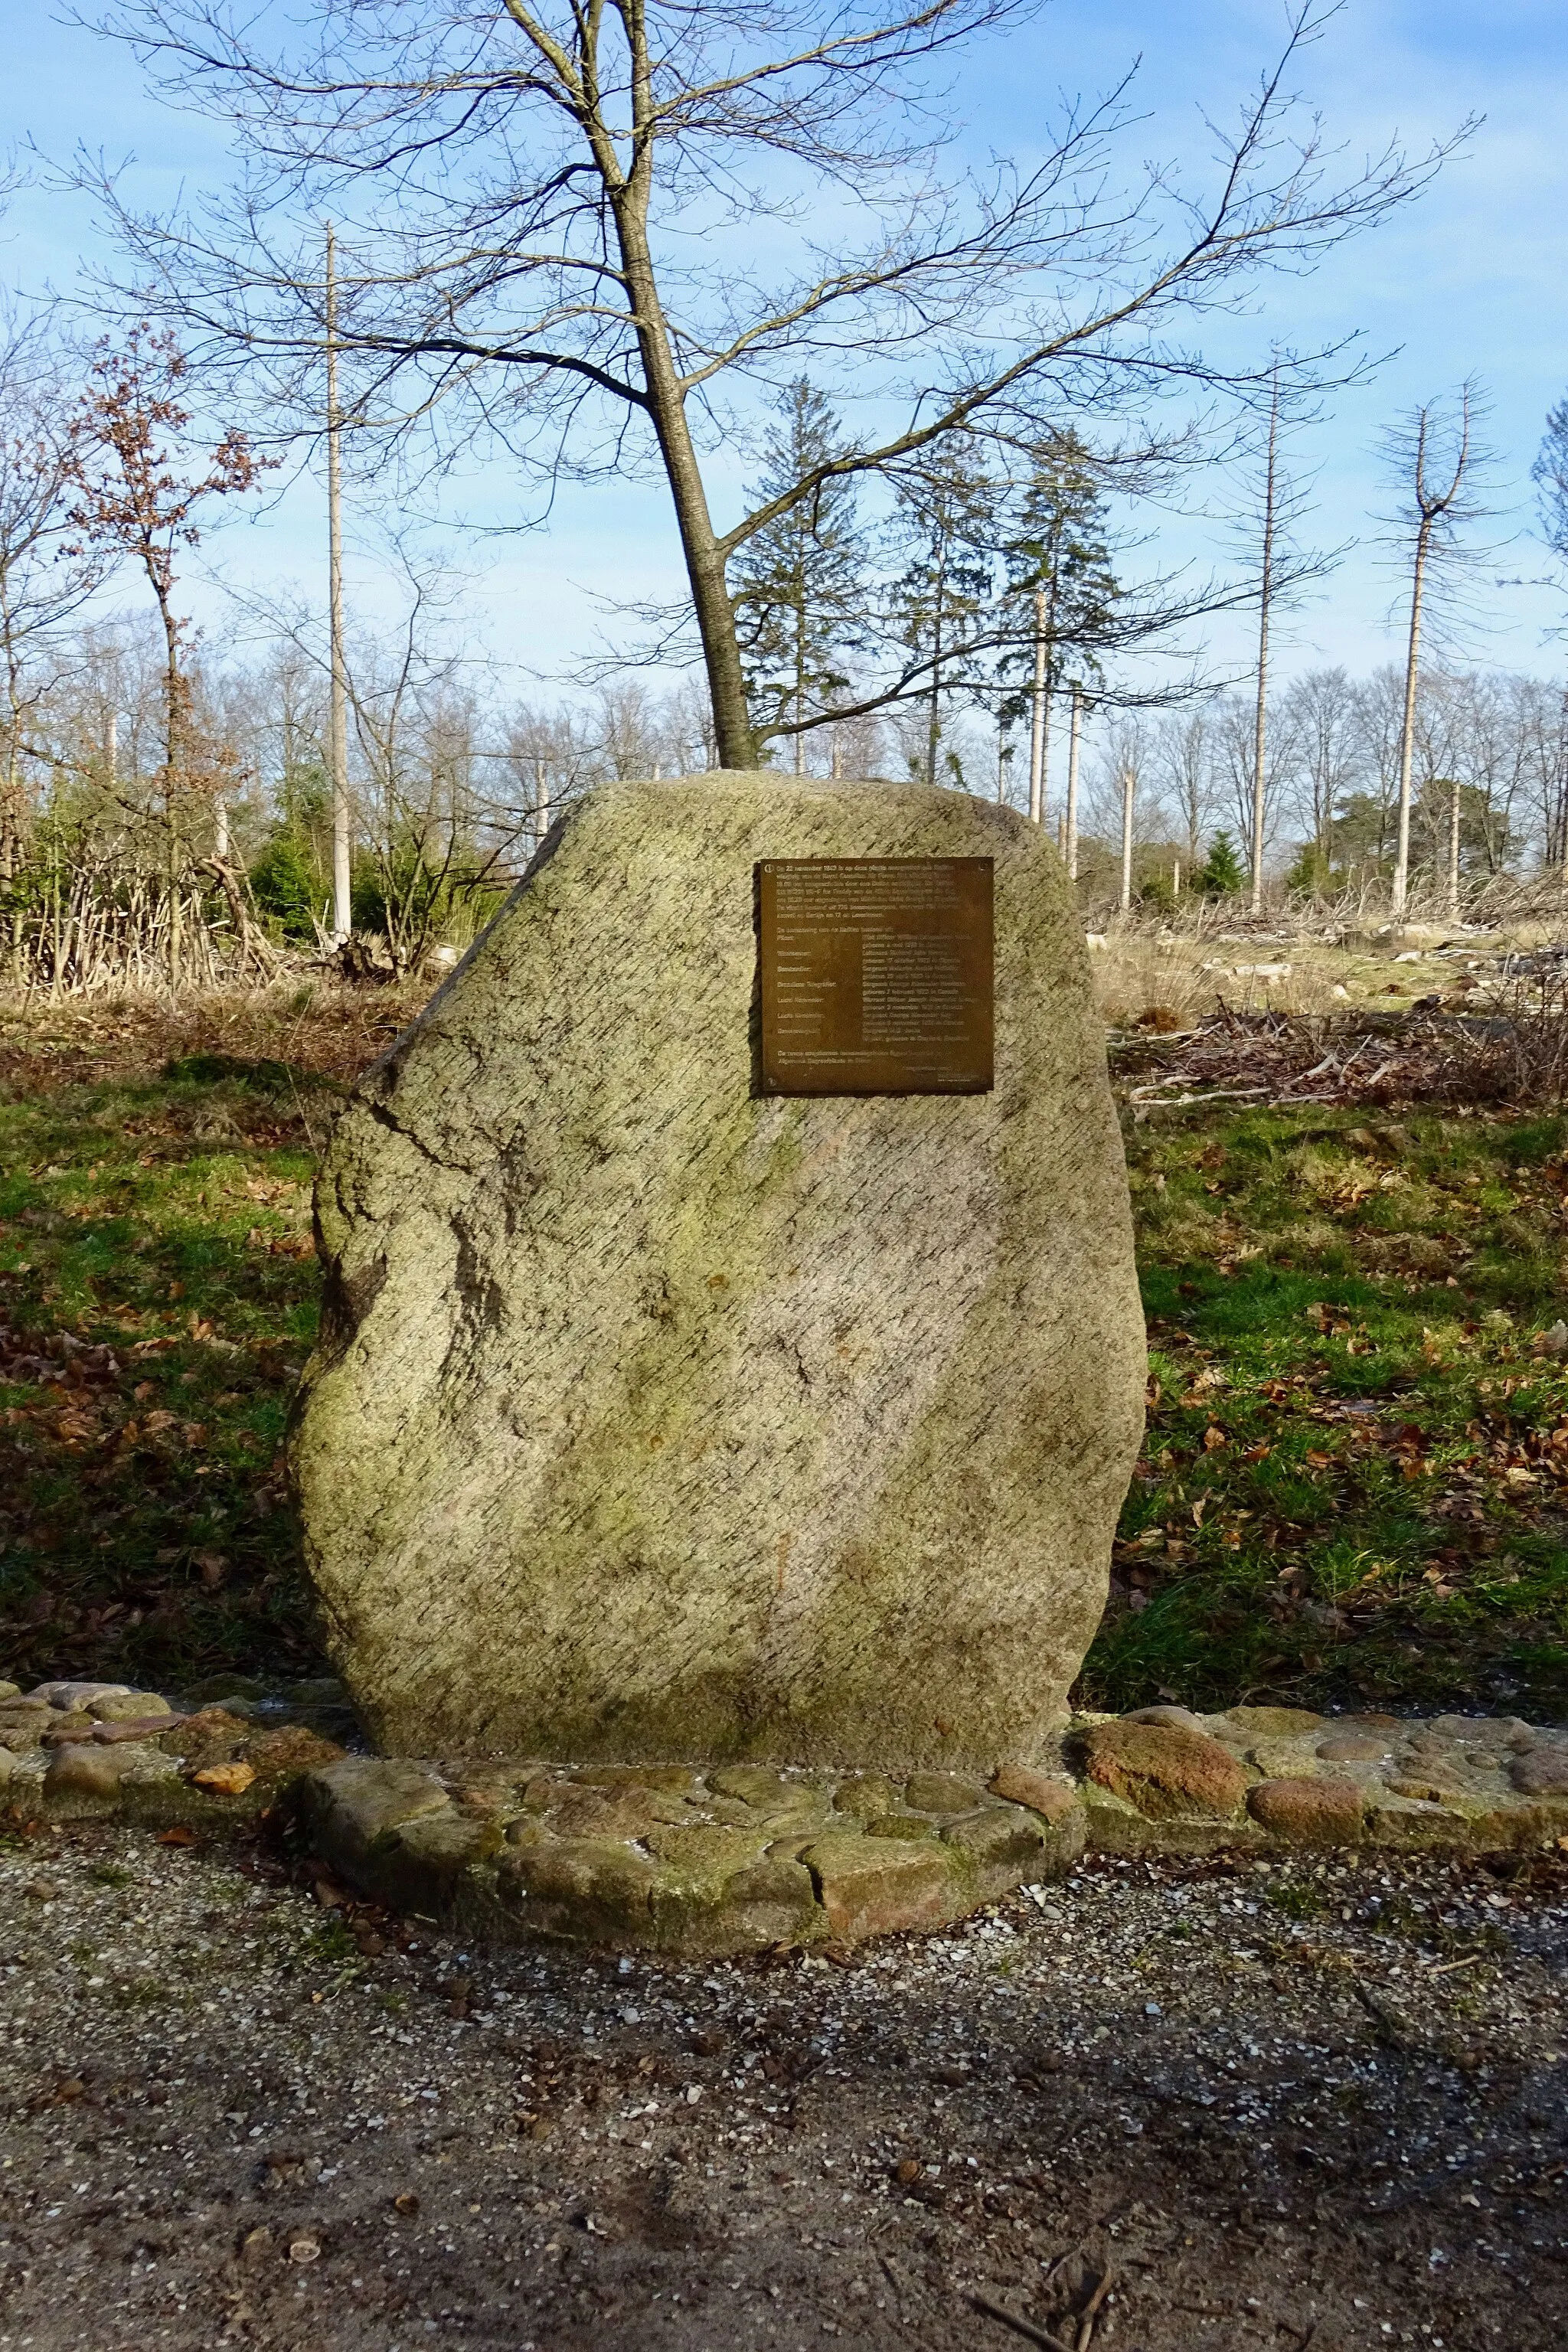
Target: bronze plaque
{"points": [[877, 975]]}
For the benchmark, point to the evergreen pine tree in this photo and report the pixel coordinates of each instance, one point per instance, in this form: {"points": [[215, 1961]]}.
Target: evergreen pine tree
{"points": [[1221, 875], [1058, 550], [945, 524], [798, 586]]}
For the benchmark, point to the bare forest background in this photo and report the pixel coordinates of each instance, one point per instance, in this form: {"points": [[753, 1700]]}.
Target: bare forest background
{"points": [[960, 400], [168, 803]]}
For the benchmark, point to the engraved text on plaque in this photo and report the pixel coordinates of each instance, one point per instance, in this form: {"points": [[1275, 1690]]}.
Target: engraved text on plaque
{"points": [[877, 975]]}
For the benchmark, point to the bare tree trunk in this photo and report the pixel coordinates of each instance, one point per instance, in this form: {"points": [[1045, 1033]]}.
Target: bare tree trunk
{"points": [[337, 716], [800, 684], [1261, 724], [1128, 784], [1037, 718], [933, 717], [1453, 848], [1069, 815], [173, 692], [1407, 731], [541, 804], [666, 401], [1431, 505]]}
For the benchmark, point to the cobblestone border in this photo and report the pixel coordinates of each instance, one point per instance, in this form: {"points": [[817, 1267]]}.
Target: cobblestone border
{"points": [[704, 1860]]}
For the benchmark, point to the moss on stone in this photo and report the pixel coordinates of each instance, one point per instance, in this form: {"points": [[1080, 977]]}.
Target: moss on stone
{"points": [[653, 1417]]}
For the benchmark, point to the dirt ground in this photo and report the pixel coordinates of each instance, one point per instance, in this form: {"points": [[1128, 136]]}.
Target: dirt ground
{"points": [[1156, 2107]]}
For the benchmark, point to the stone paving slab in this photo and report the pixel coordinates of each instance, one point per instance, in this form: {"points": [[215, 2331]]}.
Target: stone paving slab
{"points": [[682, 1860]]}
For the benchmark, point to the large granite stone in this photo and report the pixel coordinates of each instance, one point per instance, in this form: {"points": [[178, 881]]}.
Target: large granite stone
{"points": [[652, 1417]]}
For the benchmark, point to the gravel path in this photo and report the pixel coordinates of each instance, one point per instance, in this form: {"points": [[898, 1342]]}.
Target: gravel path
{"points": [[1159, 2106]]}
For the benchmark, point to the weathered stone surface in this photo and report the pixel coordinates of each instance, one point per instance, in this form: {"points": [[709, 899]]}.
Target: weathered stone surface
{"points": [[620, 1812], [1001, 1845], [591, 1888], [123, 1707], [866, 1796], [1309, 1813], [73, 1696], [276, 1755], [773, 1902], [1112, 1825], [1353, 1747], [941, 1793], [1278, 1722], [667, 1859], [347, 1808], [1488, 1732], [138, 1726], [1427, 1787], [1284, 1759], [877, 1886], [705, 1857], [1413, 1825], [65, 1730], [675, 1779], [85, 1771], [1020, 1786], [1164, 1769], [652, 1417], [207, 1738], [1541, 1771], [756, 1784]]}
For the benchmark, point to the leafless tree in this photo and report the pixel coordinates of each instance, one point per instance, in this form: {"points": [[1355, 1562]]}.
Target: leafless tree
{"points": [[1257, 802], [1320, 715], [1183, 765], [129, 445], [552, 214], [40, 585], [1435, 460]]}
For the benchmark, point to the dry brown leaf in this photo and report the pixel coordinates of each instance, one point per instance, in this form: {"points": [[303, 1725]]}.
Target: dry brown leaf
{"points": [[225, 1780]]}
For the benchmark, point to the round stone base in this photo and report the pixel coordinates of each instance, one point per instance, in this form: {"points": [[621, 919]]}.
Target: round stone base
{"points": [[697, 1860], [673, 1859]]}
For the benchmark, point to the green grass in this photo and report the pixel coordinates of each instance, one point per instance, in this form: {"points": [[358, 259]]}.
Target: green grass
{"points": [[156, 1252], [1355, 1485]]}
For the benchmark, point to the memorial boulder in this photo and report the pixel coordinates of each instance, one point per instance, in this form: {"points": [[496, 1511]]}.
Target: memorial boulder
{"points": [[731, 1347]]}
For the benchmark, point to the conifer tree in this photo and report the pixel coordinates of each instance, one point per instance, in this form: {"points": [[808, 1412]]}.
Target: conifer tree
{"points": [[1058, 552], [799, 585], [945, 526], [1222, 876]]}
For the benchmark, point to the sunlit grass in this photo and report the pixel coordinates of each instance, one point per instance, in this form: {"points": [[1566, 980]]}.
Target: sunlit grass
{"points": [[1354, 1483], [1356, 1478]]}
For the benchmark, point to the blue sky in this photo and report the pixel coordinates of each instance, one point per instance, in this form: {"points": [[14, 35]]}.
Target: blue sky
{"points": [[1468, 279]]}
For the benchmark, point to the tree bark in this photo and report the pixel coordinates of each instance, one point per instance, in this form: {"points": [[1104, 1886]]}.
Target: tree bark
{"points": [[1069, 815], [337, 723], [1261, 724], [172, 688], [698, 543], [1407, 731], [1037, 716]]}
